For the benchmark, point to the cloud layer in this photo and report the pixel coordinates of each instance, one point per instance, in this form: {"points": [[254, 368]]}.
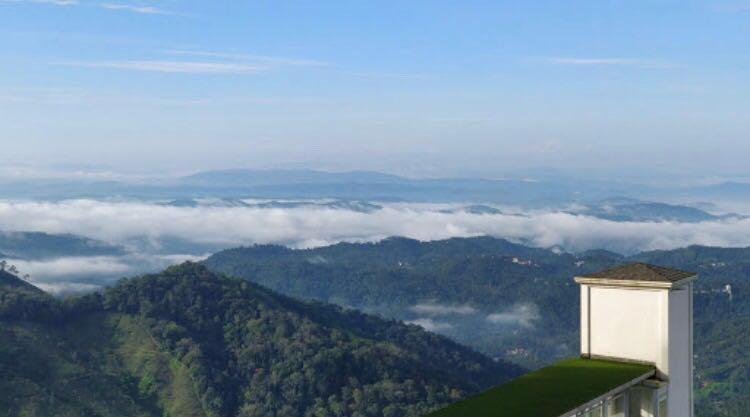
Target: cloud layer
{"points": [[611, 62], [140, 9], [75, 274], [431, 309], [197, 62], [431, 325], [303, 227], [523, 314], [71, 266], [184, 67]]}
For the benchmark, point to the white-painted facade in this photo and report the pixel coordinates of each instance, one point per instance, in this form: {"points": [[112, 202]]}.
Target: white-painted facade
{"points": [[648, 322]]}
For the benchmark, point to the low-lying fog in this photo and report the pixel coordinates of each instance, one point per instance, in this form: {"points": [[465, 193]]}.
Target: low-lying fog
{"points": [[153, 235]]}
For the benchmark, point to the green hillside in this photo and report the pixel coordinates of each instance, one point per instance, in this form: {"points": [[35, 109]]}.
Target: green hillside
{"points": [[458, 286], [393, 277], [187, 342]]}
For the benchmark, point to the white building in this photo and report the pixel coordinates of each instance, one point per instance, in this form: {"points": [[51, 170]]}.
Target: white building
{"points": [[643, 313], [636, 354]]}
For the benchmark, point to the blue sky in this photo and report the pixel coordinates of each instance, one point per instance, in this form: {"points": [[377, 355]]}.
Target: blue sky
{"points": [[423, 88]]}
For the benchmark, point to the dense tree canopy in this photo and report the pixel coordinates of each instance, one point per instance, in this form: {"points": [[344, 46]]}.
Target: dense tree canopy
{"points": [[492, 276], [247, 351]]}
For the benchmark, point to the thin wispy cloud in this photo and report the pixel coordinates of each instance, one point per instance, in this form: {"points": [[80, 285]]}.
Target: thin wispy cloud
{"points": [[523, 314], [134, 9], [268, 60], [52, 2], [432, 309], [140, 9], [430, 325], [392, 75], [183, 67], [610, 62], [202, 62], [71, 266]]}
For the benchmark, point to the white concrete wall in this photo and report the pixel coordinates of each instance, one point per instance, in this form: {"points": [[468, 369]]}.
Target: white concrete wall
{"points": [[680, 353], [625, 323]]}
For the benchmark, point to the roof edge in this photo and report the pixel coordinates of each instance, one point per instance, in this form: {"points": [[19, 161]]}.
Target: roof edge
{"points": [[608, 282], [610, 393], [617, 359]]}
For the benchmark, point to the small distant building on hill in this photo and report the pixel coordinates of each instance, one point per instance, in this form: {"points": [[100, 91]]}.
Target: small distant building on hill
{"points": [[636, 354]]}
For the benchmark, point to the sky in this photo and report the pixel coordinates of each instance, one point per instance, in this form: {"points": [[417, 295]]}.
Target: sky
{"points": [[418, 88]]}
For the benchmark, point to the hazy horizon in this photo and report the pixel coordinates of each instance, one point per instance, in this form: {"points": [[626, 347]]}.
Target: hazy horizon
{"points": [[575, 103]]}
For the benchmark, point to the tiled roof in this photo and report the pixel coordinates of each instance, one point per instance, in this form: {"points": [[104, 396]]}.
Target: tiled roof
{"points": [[641, 272]]}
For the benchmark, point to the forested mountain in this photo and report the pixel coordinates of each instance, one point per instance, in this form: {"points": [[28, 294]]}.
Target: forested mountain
{"points": [[631, 210], [490, 293], [189, 342], [37, 245], [511, 301]]}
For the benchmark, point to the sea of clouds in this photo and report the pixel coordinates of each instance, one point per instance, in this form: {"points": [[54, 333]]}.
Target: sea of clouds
{"points": [[304, 227], [123, 222]]}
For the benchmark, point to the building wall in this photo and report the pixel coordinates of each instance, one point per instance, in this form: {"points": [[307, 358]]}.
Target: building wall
{"points": [[681, 352], [625, 323], [644, 324]]}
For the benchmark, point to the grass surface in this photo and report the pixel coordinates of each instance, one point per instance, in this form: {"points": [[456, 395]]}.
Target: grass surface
{"points": [[548, 392]]}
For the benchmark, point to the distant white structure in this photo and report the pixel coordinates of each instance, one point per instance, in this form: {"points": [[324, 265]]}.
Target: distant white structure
{"points": [[520, 261], [642, 313], [728, 290]]}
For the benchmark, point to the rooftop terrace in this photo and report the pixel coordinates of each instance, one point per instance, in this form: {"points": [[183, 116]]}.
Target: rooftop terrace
{"points": [[552, 391]]}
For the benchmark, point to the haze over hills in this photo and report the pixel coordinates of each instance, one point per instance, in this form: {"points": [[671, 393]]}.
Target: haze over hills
{"points": [[76, 245], [192, 343], [632, 210], [508, 300], [544, 191], [38, 245], [248, 177]]}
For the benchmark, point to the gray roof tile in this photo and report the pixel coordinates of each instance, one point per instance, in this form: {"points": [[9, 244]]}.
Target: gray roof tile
{"points": [[641, 272]]}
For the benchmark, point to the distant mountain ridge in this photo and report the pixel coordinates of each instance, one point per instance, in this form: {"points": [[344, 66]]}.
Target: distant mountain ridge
{"points": [[313, 184], [359, 206], [249, 177], [647, 211], [38, 245], [544, 191]]}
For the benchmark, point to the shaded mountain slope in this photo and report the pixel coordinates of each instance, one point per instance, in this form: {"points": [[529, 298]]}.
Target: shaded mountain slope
{"points": [[37, 245], [188, 342]]}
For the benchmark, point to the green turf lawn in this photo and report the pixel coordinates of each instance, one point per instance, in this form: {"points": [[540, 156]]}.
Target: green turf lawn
{"points": [[548, 392]]}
